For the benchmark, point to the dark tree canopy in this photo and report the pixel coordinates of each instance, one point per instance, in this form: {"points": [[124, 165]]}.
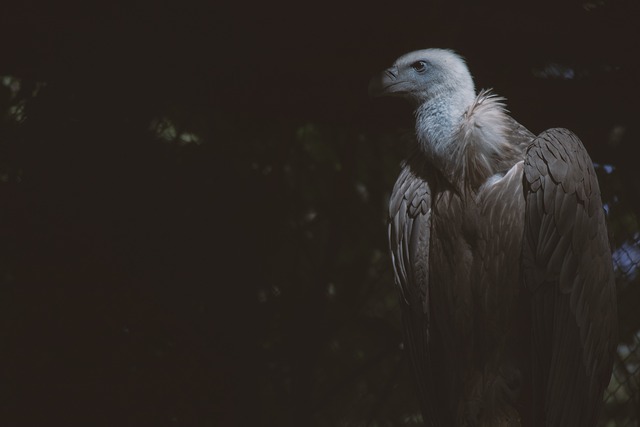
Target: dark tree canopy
{"points": [[194, 199]]}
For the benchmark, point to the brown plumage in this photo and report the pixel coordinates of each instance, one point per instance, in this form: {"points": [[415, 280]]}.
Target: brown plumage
{"points": [[499, 246]]}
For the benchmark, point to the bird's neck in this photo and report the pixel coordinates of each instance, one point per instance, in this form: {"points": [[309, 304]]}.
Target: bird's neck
{"points": [[464, 137], [437, 123]]}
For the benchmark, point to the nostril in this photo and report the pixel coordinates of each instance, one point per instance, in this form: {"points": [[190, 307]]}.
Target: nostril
{"points": [[390, 72]]}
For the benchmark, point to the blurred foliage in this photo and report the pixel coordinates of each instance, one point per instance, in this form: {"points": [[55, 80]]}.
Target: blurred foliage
{"points": [[193, 222], [622, 396]]}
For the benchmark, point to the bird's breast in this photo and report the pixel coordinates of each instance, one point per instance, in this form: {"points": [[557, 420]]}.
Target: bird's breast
{"points": [[475, 262]]}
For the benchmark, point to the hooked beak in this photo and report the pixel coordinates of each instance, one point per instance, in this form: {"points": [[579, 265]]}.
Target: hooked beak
{"points": [[387, 83]]}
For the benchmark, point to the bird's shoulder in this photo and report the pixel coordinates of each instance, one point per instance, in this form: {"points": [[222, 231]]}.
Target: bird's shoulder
{"points": [[413, 188]]}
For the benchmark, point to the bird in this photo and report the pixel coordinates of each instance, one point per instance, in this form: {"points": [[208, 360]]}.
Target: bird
{"points": [[500, 252]]}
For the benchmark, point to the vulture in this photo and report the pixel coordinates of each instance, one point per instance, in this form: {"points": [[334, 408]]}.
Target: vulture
{"points": [[501, 256]]}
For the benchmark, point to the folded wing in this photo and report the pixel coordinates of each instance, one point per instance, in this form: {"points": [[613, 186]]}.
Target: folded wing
{"points": [[567, 268]]}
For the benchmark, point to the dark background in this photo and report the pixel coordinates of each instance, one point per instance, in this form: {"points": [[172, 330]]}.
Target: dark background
{"points": [[193, 198]]}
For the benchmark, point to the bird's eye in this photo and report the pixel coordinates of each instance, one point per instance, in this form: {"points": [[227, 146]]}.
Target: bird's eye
{"points": [[419, 66]]}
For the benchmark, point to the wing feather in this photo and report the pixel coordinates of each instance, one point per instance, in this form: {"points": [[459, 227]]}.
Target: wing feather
{"points": [[409, 231], [567, 267]]}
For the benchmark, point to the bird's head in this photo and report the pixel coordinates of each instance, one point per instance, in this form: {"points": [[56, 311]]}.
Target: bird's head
{"points": [[425, 74]]}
